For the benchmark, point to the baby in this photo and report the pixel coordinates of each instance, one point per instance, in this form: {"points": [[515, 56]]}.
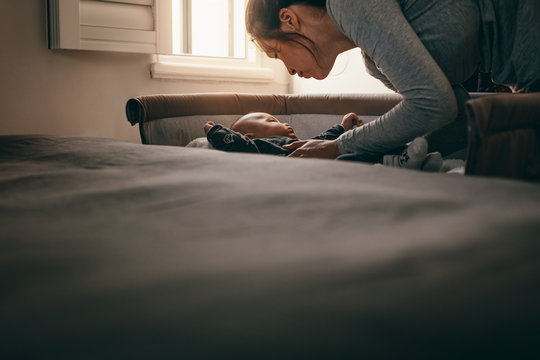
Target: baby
{"points": [[262, 133]]}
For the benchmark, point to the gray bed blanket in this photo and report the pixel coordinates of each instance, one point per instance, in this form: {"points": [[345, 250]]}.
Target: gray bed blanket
{"points": [[114, 250]]}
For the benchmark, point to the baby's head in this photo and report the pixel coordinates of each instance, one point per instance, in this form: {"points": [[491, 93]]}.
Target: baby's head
{"points": [[260, 125]]}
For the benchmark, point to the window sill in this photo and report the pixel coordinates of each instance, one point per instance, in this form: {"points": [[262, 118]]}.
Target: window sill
{"points": [[210, 72]]}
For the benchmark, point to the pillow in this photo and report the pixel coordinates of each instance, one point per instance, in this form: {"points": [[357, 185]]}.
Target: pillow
{"points": [[201, 142]]}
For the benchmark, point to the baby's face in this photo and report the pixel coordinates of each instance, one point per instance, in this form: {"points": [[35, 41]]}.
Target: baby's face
{"points": [[261, 125]]}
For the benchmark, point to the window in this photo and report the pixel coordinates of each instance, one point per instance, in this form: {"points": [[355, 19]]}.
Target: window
{"points": [[202, 39], [207, 44], [219, 32]]}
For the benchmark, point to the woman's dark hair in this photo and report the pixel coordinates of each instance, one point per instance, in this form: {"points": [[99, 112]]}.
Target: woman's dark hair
{"points": [[262, 20]]}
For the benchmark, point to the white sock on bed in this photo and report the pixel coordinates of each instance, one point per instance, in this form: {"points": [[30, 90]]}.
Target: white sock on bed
{"points": [[453, 166], [410, 158]]}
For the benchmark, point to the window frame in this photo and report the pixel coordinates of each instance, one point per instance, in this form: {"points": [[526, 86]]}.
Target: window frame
{"points": [[195, 67], [190, 67]]}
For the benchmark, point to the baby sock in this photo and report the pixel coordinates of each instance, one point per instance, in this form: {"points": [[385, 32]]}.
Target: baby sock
{"points": [[433, 162], [410, 158], [453, 165]]}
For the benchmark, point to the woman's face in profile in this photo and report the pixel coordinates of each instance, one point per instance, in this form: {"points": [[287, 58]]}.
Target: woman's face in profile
{"points": [[299, 59]]}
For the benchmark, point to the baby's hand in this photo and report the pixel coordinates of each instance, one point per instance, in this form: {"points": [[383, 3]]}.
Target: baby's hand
{"points": [[208, 126], [350, 121]]}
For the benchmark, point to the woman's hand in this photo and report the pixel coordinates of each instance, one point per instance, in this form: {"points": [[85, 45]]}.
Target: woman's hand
{"points": [[324, 149], [208, 126], [350, 121]]}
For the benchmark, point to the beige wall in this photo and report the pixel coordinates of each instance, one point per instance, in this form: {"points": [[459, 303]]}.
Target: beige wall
{"points": [[348, 76], [77, 93]]}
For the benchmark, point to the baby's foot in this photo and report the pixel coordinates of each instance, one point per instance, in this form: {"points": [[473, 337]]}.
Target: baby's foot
{"points": [[433, 162], [453, 165], [410, 158]]}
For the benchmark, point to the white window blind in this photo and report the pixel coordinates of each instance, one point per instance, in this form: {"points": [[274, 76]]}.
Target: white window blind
{"points": [[107, 25]]}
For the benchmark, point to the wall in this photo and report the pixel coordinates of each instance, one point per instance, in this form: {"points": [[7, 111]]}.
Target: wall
{"points": [[77, 93], [347, 76]]}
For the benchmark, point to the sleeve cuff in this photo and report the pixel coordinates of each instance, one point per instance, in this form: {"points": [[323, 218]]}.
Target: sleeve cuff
{"points": [[343, 143]]}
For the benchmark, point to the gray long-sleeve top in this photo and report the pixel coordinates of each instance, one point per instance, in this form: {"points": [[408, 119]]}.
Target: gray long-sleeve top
{"points": [[421, 48]]}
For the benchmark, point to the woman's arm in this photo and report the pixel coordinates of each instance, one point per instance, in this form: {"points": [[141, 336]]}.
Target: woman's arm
{"points": [[381, 30], [372, 70], [324, 149]]}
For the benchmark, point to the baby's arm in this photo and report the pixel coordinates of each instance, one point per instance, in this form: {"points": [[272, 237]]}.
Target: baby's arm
{"points": [[225, 139], [350, 121], [208, 126]]}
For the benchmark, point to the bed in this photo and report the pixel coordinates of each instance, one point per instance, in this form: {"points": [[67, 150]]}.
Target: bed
{"points": [[113, 250]]}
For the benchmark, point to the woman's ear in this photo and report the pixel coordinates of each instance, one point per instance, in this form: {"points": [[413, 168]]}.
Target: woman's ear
{"points": [[289, 20]]}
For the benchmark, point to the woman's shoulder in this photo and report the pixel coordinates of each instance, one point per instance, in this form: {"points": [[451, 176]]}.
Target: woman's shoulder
{"points": [[347, 11], [361, 19]]}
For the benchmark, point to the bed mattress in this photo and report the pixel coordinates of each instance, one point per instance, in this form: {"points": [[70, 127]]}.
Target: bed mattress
{"points": [[117, 250]]}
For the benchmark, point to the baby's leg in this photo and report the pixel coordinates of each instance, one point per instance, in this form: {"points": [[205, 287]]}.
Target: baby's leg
{"points": [[411, 158]]}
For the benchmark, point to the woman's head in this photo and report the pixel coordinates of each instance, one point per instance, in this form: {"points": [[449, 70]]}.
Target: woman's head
{"points": [[284, 29], [263, 18]]}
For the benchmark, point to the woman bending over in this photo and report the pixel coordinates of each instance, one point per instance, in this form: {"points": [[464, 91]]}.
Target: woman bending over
{"points": [[422, 49]]}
